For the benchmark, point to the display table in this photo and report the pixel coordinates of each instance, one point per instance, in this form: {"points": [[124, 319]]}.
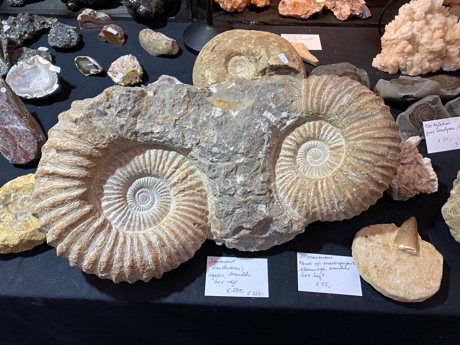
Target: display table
{"points": [[45, 301]]}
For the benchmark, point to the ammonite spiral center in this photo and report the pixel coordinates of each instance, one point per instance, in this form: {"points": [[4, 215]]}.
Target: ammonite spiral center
{"points": [[423, 112], [143, 194], [314, 152]]}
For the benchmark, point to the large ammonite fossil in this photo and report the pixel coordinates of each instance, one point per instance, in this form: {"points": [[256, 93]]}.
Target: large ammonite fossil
{"points": [[132, 181]]}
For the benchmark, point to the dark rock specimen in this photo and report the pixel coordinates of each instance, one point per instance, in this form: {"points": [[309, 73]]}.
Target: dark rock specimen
{"points": [[21, 137], [63, 36], [343, 69], [142, 10], [25, 26], [15, 3]]}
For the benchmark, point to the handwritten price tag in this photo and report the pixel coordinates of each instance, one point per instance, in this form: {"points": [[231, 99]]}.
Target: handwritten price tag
{"points": [[328, 274], [312, 42], [442, 135], [236, 277]]}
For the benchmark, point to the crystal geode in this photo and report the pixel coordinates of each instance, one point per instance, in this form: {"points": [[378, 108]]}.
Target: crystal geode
{"points": [[132, 182]]}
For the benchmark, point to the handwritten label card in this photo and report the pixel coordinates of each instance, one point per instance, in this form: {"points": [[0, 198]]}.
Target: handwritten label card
{"points": [[312, 42], [236, 277], [442, 135], [328, 274]]}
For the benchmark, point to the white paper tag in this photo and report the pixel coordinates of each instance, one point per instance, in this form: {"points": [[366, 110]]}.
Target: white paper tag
{"points": [[236, 277], [112, 30], [118, 77], [56, 69], [442, 135], [43, 49], [328, 274], [312, 42], [283, 58]]}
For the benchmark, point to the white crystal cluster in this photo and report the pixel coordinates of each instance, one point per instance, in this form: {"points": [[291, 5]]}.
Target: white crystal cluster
{"points": [[424, 37]]}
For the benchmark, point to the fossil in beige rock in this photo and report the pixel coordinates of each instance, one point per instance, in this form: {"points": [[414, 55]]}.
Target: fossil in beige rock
{"points": [[415, 173], [397, 262], [132, 182], [249, 54], [451, 210], [18, 227]]}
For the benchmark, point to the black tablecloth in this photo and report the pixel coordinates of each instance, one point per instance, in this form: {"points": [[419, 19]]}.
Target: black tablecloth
{"points": [[45, 301]]}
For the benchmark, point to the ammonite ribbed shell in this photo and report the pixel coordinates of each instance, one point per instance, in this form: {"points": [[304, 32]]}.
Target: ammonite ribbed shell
{"points": [[342, 158], [121, 213]]}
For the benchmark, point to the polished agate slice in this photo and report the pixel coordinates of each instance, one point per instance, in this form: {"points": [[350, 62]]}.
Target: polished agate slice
{"points": [[87, 65]]}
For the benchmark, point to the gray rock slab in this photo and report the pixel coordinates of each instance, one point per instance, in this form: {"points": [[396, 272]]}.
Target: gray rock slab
{"points": [[406, 88]]}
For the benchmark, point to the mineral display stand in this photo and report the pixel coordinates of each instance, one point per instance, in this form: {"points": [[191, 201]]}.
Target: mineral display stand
{"points": [[44, 300]]}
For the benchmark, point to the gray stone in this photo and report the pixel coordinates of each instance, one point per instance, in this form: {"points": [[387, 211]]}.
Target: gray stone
{"points": [[63, 36], [453, 107], [410, 122], [450, 86], [343, 69], [407, 88], [26, 26]]}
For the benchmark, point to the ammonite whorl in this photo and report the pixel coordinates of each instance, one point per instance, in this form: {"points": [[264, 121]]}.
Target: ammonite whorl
{"points": [[341, 159], [123, 211]]}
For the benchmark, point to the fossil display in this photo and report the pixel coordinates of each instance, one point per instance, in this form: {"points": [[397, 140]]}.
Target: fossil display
{"points": [[89, 19], [422, 38], [156, 44], [63, 36], [305, 54], [451, 209], [415, 173], [87, 65], [450, 86], [33, 78], [21, 137], [343, 69], [397, 262], [249, 54], [240, 5], [407, 88], [342, 9], [132, 181], [18, 227], [113, 34], [410, 122], [453, 107], [126, 70]]}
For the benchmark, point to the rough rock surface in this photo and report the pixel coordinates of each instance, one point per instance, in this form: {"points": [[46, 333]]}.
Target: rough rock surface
{"points": [[451, 209], [342, 9], [90, 19], [240, 5], [407, 88], [343, 69], [248, 54], [450, 86], [395, 273], [63, 36], [126, 70], [415, 174], [21, 137], [113, 34], [18, 227], [453, 107], [156, 44]]}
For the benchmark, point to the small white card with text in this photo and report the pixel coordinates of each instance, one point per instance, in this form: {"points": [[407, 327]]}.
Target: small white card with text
{"points": [[236, 277], [442, 135], [328, 274], [312, 42]]}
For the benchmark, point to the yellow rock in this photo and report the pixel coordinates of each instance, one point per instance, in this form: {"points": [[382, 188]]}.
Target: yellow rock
{"points": [[18, 228]]}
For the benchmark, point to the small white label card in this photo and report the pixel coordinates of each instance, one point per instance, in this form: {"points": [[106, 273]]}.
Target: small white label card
{"points": [[312, 42], [236, 277], [442, 135], [328, 274]]}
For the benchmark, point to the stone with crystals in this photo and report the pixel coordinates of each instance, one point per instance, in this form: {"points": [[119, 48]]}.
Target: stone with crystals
{"points": [[410, 122], [90, 19], [63, 36], [18, 227], [24, 53], [33, 78], [343, 69], [342, 9], [407, 88], [126, 70], [21, 137], [113, 34], [451, 209], [156, 43], [415, 173]]}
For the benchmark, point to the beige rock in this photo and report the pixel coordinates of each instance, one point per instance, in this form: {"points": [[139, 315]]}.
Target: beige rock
{"points": [[248, 54], [394, 268], [240, 5], [451, 210], [126, 70], [415, 173], [305, 54], [342, 9], [18, 228], [157, 44]]}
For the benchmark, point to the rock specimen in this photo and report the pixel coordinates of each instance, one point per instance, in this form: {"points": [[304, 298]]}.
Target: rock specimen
{"points": [[451, 209], [113, 34], [410, 122], [407, 88], [397, 262], [145, 10], [75, 4], [63, 36], [21, 137], [342, 9], [126, 70], [24, 53], [305, 54], [343, 69], [246, 54], [453, 107], [450, 86], [424, 37], [156, 44], [18, 227], [90, 19], [132, 181], [415, 174], [87, 65], [240, 5], [33, 78]]}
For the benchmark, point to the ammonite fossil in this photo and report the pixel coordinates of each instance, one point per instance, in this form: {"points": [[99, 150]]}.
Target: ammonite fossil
{"points": [[132, 181]]}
